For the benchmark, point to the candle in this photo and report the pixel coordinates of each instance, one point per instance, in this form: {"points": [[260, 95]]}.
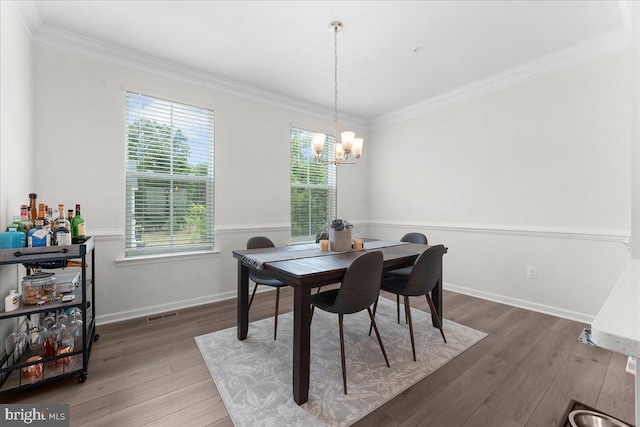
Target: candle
{"points": [[357, 244], [324, 245]]}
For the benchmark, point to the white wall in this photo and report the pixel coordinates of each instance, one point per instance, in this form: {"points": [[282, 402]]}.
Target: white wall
{"points": [[80, 116], [16, 124], [534, 175]]}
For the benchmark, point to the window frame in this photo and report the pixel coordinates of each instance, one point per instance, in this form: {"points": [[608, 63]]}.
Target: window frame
{"points": [[328, 155], [172, 178]]}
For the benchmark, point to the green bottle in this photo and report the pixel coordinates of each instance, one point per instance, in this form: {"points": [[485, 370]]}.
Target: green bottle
{"points": [[16, 221], [78, 227]]}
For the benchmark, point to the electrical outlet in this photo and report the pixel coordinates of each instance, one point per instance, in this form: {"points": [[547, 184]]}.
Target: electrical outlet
{"points": [[532, 273]]}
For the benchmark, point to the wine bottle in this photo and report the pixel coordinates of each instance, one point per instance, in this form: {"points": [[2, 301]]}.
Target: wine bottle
{"points": [[78, 227]]}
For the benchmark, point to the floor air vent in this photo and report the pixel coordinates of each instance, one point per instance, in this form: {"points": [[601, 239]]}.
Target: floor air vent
{"points": [[161, 316]]}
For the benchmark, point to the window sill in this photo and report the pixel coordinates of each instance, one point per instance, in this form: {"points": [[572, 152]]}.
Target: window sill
{"points": [[161, 258]]}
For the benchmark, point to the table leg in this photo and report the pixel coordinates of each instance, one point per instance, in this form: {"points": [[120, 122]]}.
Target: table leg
{"points": [[436, 296], [301, 343], [243, 301]]}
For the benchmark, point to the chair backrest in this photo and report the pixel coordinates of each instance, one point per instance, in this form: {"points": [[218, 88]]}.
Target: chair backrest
{"points": [[361, 284], [259, 242], [322, 236], [426, 271], [415, 238]]}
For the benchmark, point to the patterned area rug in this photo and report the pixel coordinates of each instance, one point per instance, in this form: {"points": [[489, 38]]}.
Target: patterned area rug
{"points": [[254, 376]]}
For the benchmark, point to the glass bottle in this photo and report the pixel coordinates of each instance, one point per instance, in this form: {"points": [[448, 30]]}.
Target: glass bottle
{"points": [[24, 218], [46, 222], [38, 237], [78, 227], [70, 220], [62, 228], [33, 207], [12, 238], [48, 213], [16, 221]]}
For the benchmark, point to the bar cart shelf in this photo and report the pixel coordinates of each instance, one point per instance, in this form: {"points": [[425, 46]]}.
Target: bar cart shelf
{"points": [[76, 362]]}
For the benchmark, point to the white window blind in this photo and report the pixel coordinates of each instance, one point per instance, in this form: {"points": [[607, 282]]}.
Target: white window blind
{"points": [[313, 186], [169, 176]]}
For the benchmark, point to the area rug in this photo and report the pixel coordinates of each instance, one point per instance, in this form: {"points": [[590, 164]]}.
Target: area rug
{"points": [[254, 376]]}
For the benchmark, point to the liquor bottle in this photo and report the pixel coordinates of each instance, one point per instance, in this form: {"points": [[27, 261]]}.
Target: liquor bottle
{"points": [[46, 225], [78, 227], [70, 217], [33, 207], [12, 238], [16, 221], [38, 237], [46, 222], [62, 228], [48, 213], [24, 218]]}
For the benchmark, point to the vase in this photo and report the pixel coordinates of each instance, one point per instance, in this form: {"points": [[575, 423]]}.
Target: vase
{"points": [[340, 240]]}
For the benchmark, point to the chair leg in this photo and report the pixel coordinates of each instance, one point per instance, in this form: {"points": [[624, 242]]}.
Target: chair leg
{"points": [[398, 307], [252, 295], [375, 306], [275, 326], [375, 327], [313, 307], [407, 309], [344, 367], [433, 311]]}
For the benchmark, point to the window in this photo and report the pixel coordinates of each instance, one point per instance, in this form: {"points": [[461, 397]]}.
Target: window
{"points": [[313, 186], [169, 177]]}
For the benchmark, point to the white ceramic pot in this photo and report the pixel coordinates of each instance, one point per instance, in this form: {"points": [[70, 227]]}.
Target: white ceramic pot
{"points": [[339, 240]]}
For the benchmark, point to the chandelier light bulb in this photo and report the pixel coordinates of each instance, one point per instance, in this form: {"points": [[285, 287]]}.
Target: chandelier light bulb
{"points": [[317, 144], [347, 140], [357, 147]]}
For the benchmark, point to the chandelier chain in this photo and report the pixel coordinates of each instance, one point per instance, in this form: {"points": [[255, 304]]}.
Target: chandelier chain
{"points": [[335, 82]]}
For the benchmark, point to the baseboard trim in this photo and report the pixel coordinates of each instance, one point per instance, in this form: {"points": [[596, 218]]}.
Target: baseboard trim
{"points": [[105, 319], [593, 234], [527, 305]]}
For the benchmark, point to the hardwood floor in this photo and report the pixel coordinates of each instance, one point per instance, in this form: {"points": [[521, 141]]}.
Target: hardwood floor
{"points": [[523, 374]]}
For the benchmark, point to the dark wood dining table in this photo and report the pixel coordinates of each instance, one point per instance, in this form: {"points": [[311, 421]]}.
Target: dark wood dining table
{"points": [[291, 265]]}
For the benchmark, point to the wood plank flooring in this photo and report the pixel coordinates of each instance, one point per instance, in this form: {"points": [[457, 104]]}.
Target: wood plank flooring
{"points": [[522, 375]]}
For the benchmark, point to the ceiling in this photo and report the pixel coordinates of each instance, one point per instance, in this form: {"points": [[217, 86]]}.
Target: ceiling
{"points": [[391, 53]]}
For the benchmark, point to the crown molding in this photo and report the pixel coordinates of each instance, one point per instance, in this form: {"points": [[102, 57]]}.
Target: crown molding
{"points": [[75, 44], [610, 42], [28, 11], [64, 41]]}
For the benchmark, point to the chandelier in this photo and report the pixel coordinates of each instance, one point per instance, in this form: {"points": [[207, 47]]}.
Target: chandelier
{"points": [[348, 144]]}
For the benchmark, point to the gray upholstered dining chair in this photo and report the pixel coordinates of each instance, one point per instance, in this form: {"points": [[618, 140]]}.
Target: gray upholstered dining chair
{"points": [[418, 238], [359, 290], [260, 278], [422, 280], [322, 236]]}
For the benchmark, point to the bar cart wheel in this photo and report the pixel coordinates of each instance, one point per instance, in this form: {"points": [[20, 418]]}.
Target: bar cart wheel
{"points": [[96, 337], [82, 377]]}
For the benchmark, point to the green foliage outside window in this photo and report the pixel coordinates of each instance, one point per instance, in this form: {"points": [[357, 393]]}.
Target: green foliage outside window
{"points": [[313, 187], [169, 174]]}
